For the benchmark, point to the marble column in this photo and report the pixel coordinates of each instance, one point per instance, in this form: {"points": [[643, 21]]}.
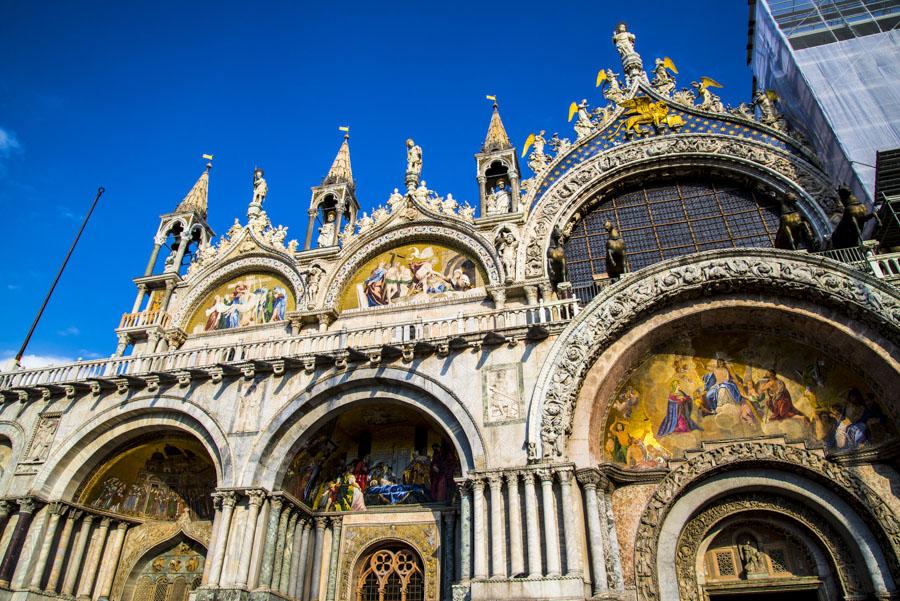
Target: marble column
{"points": [[299, 531], [498, 536], [27, 508], [6, 508], [111, 561], [279, 548], [61, 548], [551, 533], [336, 523], [481, 568], [142, 291], [255, 500], [74, 567], [465, 530], [611, 538], [532, 528], [153, 256], [448, 544], [92, 562], [288, 554], [571, 527], [57, 510], [303, 565], [265, 576], [309, 228], [213, 537], [516, 557], [229, 499], [317, 559], [589, 481]]}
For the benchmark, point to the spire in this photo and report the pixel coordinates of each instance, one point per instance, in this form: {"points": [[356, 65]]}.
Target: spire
{"points": [[340, 172], [195, 201], [496, 138]]}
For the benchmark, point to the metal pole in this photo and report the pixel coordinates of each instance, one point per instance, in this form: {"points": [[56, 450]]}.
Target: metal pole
{"points": [[40, 312]]}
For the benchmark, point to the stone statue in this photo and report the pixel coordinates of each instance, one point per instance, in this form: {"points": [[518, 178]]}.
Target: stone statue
{"points": [[751, 558], [326, 232], [663, 82], [556, 259], [793, 231], [616, 260], [395, 200], [631, 60], [43, 438], [613, 92], [235, 229], [583, 124], [499, 200], [537, 160], [559, 145], [421, 193], [849, 230], [708, 100], [260, 189], [365, 223], [449, 205], [413, 164], [765, 100], [313, 275], [467, 211], [507, 244]]}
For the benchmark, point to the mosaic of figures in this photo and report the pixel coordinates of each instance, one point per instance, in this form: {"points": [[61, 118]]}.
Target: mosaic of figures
{"points": [[412, 272], [386, 463], [248, 300], [738, 385], [159, 480]]}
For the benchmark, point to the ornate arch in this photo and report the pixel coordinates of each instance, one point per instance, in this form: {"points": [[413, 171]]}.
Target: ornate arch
{"points": [[779, 169], [277, 442], [694, 532], [79, 452], [774, 272], [870, 507], [370, 246], [16, 435], [204, 283], [421, 538]]}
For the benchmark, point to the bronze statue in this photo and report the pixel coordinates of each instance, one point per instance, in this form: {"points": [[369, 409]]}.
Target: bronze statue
{"points": [[616, 261], [556, 259], [794, 232], [849, 231]]}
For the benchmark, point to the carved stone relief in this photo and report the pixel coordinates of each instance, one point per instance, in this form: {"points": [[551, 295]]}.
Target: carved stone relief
{"points": [[40, 443]]}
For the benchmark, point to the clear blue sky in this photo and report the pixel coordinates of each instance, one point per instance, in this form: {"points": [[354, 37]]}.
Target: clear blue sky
{"points": [[128, 95]]}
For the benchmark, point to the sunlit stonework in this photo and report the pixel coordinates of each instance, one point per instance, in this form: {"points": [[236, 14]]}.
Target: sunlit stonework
{"points": [[658, 362]]}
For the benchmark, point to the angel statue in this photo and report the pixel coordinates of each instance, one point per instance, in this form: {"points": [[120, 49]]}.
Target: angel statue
{"points": [[537, 160], [260, 189], [663, 82], [583, 125], [768, 113], [708, 100], [559, 145], [613, 90]]}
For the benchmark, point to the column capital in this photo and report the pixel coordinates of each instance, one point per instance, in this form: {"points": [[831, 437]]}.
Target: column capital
{"points": [[336, 521], [142, 287], [122, 526], [74, 514], [528, 476], [464, 484], [105, 522], [478, 484], [321, 523], [255, 496], [89, 518], [276, 503], [589, 479], [5, 507], [565, 475], [26, 505], [545, 474], [228, 498], [512, 477], [495, 481], [58, 508]]}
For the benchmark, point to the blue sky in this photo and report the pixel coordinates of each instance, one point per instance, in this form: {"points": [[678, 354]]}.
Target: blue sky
{"points": [[129, 95]]}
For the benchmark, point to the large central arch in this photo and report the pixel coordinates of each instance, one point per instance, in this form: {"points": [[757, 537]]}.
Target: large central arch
{"points": [[280, 439]]}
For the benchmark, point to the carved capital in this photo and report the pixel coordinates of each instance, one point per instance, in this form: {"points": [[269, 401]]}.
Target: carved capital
{"points": [[58, 508], [26, 505], [565, 475], [228, 498], [589, 479], [495, 481], [545, 474], [321, 523], [255, 497]]}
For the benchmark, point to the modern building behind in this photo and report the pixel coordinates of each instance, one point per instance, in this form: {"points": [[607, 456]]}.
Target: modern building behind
{"points": [[835, 65]]}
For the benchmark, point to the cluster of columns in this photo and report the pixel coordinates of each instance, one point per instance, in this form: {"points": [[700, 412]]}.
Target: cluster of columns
{"points": [[497, 545], [288, 543], [45, 540]]}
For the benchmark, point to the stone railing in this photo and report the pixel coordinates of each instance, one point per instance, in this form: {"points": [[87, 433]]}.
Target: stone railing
{"points": [[487, 327], [886, 266], [143, 319]]}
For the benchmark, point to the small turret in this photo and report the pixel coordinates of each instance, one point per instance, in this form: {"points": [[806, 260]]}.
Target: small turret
{"points": [[498, 170], [333, 202]]}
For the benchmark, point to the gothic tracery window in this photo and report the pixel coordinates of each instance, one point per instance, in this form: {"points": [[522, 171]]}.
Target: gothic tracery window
{"points": [[391, 574], [171, 575]]}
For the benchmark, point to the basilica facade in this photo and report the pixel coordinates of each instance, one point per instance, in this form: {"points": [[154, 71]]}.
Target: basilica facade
{"points": [[660, 363]]}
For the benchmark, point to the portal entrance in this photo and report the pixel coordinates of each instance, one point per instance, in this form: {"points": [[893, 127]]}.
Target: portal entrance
{"points": [[391, 573]]}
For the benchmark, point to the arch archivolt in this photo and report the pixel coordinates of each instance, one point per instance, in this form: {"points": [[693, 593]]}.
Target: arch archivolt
{"points": [[850, 506], [774, 273], [76, 456], [777, 169], [205, 282], [278, 442], [18, 440], [148, 539], [370, 246], [696, 532]]}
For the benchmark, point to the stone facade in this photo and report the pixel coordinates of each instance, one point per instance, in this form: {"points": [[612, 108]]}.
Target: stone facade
{"points": [[426, 406]]}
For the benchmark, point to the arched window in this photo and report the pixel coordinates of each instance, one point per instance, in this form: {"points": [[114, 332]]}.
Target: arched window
{"points": [[669, 219], [170, 575], [391, 574]]}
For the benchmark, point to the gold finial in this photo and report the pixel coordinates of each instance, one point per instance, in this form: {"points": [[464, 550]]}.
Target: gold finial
{"points": [[493, 99], [209, 159], [346, 130]]}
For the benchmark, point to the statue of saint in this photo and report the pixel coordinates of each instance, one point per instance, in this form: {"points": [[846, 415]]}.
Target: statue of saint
{"points": [[395, 201], [499, 200], [326, 232], [583, 125], [413, 158], [506, 245], [624, 40], [260, 189]]}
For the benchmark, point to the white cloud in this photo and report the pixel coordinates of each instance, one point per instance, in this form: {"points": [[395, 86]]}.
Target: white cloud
{"points": [[12, 286], [9, 143], [70, 331], [34, 361]]}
